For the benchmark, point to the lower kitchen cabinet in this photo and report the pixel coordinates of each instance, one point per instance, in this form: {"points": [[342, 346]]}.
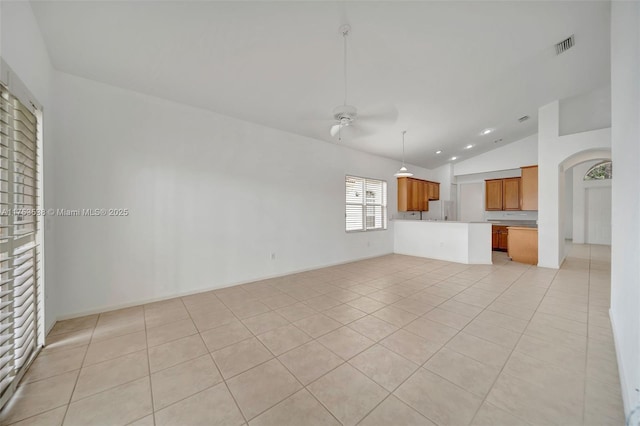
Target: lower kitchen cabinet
{"points": [[523, 245], [499, 238]]}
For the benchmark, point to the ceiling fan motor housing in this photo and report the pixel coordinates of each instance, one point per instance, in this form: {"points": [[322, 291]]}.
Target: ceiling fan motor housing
{"points": [[345, 113]]}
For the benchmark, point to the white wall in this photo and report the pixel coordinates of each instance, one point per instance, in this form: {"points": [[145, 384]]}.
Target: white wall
{"points": [[210, 197], [511, 156], [444, 175], [587, 111], [23, 49], [556, 154], [568, 202], [625, 250], [471, 201]]}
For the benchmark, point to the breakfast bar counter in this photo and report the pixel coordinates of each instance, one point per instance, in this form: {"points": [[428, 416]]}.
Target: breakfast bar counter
{"points": [[461, 242]]}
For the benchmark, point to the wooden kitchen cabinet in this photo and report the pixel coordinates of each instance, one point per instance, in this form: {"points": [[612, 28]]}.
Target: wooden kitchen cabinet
{"points": [[493, 194], [425, 195], [414, 194], [523, 245], [433, 190], [502, 194], [499, 237], [511, 194], [417, 195], [529, 188]]}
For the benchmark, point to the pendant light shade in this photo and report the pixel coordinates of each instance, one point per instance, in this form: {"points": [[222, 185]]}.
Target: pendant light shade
{"points": [[403, 172]]}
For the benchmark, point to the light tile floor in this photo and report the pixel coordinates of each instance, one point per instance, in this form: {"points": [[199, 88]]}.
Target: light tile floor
{"points": [[386, 341]]}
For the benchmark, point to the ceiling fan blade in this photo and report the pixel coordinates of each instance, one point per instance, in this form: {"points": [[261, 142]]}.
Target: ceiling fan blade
{"points": [[335, 129], [381, 113]]}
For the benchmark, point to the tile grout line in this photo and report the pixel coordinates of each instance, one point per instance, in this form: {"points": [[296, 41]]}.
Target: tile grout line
{"points": [[142, 306], [269, 360], [64, 418], [431, 356], [285, 367], [146, 340], [329, 282], [226, 385], [427, 360], [513, 350]]}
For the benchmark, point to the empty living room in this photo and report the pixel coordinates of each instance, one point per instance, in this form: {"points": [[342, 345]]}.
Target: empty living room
{"points": [[375, 213]]}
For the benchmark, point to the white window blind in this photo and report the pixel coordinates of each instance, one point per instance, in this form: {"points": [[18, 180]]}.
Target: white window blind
{"points": [[366, 204], [21, 298]]}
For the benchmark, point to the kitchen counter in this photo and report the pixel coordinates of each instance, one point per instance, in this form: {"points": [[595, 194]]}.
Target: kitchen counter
{"points": [[521, 223], [461, 242]]}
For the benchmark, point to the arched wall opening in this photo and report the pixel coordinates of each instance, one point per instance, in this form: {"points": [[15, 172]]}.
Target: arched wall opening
{"points": [[565, 166]]}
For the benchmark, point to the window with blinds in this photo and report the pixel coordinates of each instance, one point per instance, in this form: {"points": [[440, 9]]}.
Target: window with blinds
{"points": [[21, 298], [366, 207]]}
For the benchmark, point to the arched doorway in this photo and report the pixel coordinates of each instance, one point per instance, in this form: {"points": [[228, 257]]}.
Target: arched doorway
{"points": [[586, 211]]}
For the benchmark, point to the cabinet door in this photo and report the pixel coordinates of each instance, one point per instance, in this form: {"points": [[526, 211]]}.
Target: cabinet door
{"points": [[403, 194], [530, 188], [493, 194], [495, 238], [434, 190], [503, 241], [425, 196], [511, 194], [414, 195]]}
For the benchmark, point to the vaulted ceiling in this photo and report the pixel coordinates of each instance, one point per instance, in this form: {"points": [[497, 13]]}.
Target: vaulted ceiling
{"points": [[449, 69]]}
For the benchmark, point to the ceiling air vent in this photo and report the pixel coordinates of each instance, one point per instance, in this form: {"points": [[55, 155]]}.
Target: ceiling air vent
{"points": [[565, 44], [523, 118]]}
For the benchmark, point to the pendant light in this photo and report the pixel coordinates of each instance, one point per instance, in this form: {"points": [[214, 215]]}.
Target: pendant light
{"points": [[403, 172]]}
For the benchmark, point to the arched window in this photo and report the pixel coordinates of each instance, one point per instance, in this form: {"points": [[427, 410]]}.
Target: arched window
{"points": [[600, 171]]}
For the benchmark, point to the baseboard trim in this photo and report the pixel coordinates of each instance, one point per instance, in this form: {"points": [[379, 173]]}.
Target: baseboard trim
{"points": [[202, 290]]}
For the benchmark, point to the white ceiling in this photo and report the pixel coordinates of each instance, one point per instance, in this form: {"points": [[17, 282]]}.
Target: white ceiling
{"points": [[450, 69]]}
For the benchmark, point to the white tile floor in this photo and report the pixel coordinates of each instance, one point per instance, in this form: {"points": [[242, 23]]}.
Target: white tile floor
{"points": [[387, 341]]}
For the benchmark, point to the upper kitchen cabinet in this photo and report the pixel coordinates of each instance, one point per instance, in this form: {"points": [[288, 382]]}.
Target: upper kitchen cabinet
{"points": [[511, 194], [530, 188], [414, 194], [502, 194], [433, 190], [493, 194]]}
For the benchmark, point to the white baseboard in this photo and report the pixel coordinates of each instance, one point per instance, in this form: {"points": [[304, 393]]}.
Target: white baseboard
{"points": [[202, 290]]}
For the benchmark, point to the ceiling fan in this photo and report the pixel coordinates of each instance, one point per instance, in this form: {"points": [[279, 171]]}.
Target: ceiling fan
{"points": [[346, 116]]}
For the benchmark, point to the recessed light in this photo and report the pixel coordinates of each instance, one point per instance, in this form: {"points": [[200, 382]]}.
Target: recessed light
{"points": [[468, 146], [439, 151], [454, 158], [486, 131]]}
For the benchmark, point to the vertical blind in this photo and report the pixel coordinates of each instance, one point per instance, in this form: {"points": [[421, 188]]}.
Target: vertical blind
{"points": [[366, 204], [21, 298]]}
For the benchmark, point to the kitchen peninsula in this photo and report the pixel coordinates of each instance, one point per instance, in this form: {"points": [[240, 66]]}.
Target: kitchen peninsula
{"points": [[462, 242]]}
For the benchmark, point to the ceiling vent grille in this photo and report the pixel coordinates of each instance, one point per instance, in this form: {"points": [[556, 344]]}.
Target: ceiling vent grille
{"points": [[523, 118], [565, 45]]}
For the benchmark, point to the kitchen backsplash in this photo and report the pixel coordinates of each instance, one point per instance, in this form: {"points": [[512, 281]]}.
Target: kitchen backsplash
{"points": [[511, 215]]}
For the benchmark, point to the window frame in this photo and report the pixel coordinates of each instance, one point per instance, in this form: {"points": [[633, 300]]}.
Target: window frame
{"points": [[383, 205]]}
